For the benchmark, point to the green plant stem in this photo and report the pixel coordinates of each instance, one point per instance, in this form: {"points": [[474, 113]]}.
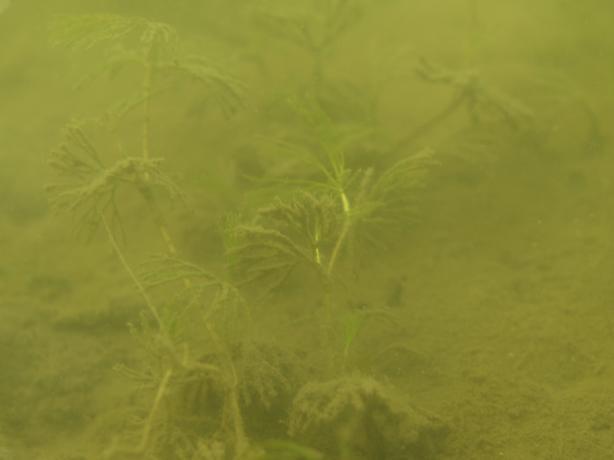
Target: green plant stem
{"points": [[158, 217], [115, 452], [232, 408], [317, 253], [144, 443], [431, 123], [345, 229], [328, 329], [139, 286], [145, 189]]}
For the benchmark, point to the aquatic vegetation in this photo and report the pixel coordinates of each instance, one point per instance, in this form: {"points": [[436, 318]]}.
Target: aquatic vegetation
{"points": [[313, 26], [89, 189], [211, 382], [226, 368], [483, 102], [360, 417]]}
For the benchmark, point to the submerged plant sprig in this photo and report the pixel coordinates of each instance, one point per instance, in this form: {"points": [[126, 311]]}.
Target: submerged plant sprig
{"points": [[265, 256], [480, 97], [86, 31], [366, 198], [87, 187], [155, 46], [283, 236], [390, 199], [321, 146], [161, 269], [482, 101], [227, 90], [315, 27]]}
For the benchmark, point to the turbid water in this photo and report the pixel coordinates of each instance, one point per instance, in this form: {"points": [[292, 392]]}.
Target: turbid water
{"points": [[327, 229]]}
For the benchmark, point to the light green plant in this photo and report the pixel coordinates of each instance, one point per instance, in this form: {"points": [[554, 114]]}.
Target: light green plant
{"points": [[87, 187], [365, 198], [201, 363], [334, 205]]}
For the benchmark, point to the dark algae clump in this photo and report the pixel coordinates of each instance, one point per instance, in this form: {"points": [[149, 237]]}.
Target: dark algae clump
{"points": [[305, 230]]}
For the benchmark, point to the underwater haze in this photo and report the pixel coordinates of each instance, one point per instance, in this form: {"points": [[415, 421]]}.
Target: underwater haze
{"points": [[306, 230]]}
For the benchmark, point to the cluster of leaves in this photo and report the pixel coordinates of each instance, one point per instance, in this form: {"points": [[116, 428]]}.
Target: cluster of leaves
{"points": [[283, 236], [363, 417], [126, 41], [87, 188], [308, 227], [321, 150], [314, 25], [83, 32]]}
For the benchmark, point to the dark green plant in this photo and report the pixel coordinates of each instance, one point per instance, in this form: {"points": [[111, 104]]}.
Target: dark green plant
{"points": [[481, 100], [315, 26]]}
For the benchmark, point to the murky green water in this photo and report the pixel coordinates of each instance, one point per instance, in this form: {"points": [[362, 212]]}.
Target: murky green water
{"points": [[319, 229]]}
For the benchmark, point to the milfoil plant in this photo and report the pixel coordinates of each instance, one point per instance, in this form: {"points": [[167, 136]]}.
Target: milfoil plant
{"points": [[179, 357], [215, 387]]}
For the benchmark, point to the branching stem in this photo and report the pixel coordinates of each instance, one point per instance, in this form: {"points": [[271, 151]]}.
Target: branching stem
{"points": [[154, 411], [139, 286]]}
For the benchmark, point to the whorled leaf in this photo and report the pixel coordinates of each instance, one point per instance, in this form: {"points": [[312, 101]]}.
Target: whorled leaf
{"points": [[283, 236], [86, 187], [155, 45], [83, 32], [227, 90], [161, 269], [390, 199], [314, 25], [202, 298]]}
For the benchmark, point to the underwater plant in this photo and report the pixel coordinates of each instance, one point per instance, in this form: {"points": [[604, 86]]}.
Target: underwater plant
{"points": [[360, 417], [482, 101], [260, 338], [87, 188], [314, 26], [325, 218], [212, 384]]}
